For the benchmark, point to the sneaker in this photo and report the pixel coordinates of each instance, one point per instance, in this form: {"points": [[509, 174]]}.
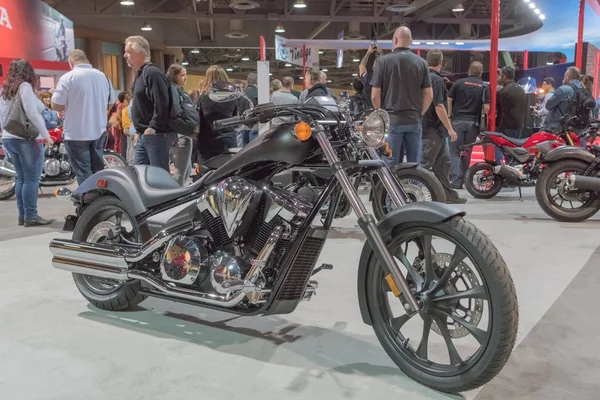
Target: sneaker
{"points": [[39, 221], [21, 221], [457, 186], [456, 200]]}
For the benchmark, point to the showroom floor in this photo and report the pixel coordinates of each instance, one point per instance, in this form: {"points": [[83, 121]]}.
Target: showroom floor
{"points": [[53, 345]]}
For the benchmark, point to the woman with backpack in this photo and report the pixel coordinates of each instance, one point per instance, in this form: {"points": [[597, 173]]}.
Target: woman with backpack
{"points": [[19, 102], [181, 152]]}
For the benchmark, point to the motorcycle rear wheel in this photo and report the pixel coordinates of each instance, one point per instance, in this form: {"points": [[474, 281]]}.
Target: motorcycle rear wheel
{"points": [[496, 181], [106, 294], [9, 185], [418, 183], [488, 281], [114, 160], [547, 181]]}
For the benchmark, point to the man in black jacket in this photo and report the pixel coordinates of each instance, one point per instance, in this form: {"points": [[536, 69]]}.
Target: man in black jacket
{"points": [[150, 111], [316, 87]]}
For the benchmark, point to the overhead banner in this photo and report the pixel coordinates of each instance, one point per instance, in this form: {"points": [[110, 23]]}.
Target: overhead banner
{"points": [[340, 52], [294, 55], [33, 30]]}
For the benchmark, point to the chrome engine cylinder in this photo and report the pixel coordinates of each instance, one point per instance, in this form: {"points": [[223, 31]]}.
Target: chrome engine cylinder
{"points": [[185, 261]]}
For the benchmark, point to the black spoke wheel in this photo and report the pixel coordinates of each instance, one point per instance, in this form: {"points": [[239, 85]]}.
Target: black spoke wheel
{"points": [[467, 327], [98, 224], [418, 183], [481, 182], [558, 200], [7, 183]]}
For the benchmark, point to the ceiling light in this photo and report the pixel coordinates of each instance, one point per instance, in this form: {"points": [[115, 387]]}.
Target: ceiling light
{"points": [[146, 27], [532, 5], [325, 70], [458, 8], [185, 63], [416, 42], [299, 4], [127, 3], [430, 43], [355, 59], [229, 69], [245, 58], [527, 1], [288, 65], [329, 81], [542, 16], [537, 11], [321, 52], [460, 43], [270, 74], [301, 78], [195, 51], [355, 74], [549, 63], [445, 43], [279, 29]]}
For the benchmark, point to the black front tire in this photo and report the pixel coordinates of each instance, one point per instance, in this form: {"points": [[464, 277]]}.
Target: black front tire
{"points": [[407, 177], [555, 211], [492, 191], [503, 309], [126, 295]]}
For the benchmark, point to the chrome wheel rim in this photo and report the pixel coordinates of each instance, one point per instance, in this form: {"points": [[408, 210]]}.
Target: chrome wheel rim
{"points": [[7, 183], [111, 161]]}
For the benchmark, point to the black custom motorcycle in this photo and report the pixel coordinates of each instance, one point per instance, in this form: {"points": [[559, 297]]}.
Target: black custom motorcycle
{"points": [[435, 289]]}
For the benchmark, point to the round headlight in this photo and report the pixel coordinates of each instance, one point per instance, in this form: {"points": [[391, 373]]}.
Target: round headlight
{"points": [[374, 130]]}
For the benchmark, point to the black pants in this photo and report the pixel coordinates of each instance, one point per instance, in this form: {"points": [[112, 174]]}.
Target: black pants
{"points": [[436, 158]]}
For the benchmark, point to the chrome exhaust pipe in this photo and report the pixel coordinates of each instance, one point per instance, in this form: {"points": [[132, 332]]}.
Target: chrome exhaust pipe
{"points": [[95, 259], [11, 173]]}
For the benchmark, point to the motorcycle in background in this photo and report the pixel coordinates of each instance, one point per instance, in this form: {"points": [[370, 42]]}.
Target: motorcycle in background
{"points": [[57, 170], [434, 288]]}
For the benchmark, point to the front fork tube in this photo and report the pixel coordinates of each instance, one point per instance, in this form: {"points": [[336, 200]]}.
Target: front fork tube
{"points": [[366, 221], [390, 183]]}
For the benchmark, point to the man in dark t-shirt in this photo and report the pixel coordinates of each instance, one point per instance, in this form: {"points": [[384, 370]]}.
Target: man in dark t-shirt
{"points": [[512, 105], [435, 124], [402, 87], [467, 100]]}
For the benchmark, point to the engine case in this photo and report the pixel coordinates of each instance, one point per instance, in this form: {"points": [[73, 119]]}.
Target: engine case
{"points": [[185, 261], [225, 267], [52, 167]]}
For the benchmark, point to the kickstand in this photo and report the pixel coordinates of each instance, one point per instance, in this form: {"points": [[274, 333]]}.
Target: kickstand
{"points": [[520, 193], [41, 191]]}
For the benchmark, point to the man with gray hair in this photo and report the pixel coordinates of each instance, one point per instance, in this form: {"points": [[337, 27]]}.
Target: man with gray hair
{"points": [[323, 81], [85, 95], [151, 102], [283, 97]]}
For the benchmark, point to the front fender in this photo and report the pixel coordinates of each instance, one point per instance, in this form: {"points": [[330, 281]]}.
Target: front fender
{"points": [[572, 152], [121, 182], [424, 211]]}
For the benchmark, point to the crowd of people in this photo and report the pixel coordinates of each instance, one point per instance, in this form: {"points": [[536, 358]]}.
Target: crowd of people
{"points": [[430, 122]]}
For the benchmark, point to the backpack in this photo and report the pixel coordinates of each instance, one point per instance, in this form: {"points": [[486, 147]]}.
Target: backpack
{"points": [[184, 118], [360, 105], [582, 105]]}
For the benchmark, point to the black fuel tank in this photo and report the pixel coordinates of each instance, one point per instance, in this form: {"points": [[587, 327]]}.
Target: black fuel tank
{"points": [[278, 145]]}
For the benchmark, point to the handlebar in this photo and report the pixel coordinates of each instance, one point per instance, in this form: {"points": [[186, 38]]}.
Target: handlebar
{"points": [[227, 122]]}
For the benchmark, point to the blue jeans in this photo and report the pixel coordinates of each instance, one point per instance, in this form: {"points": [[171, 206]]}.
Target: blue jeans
{"points": [[86, 157], [405, 139], [28, 158], [466, 133], [153, 150], [513, 133]]}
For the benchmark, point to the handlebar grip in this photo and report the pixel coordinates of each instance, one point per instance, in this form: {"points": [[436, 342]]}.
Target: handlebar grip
{"points": [[227, 122]]}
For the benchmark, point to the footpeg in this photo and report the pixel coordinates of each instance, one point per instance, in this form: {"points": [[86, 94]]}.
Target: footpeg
{"points": [[311, 289], [321, 268]]}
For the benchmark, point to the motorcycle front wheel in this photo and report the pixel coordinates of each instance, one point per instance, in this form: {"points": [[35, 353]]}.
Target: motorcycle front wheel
{"points": [[467, 327], [481, 182], [94, 226], [114, 160], [418, 183], [558, 200]]}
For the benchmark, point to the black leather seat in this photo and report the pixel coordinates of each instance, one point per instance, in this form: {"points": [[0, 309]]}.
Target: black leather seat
{"points": [[157, 186], [518, 142]]}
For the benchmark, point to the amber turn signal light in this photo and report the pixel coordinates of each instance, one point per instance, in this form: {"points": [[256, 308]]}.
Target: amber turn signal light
{"points": [[102, 183], [386, 149], [302, 131]]}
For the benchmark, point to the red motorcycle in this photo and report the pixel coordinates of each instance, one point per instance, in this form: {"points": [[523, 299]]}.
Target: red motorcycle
{"points": [[57, 169], [523, 161]]}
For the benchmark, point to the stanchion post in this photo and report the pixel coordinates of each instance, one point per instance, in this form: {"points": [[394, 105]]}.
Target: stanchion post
{"points": [[495, 28], [579, 50]]}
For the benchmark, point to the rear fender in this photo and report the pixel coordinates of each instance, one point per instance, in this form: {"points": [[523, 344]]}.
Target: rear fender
{"points": [[425, 211], [120, 182], [572, 152]]}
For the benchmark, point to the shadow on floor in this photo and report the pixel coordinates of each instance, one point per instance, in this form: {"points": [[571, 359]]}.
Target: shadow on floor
{"points": [[331, 351]]}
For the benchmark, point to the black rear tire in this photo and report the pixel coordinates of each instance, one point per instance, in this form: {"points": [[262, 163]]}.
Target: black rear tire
{"points": [[493, 190], [542, 193], [119, 160], [471, 372], [419, 183], [125, 295]]}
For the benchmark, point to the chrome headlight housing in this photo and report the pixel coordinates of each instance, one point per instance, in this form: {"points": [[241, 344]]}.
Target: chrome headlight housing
{"points": [[373, 127]]}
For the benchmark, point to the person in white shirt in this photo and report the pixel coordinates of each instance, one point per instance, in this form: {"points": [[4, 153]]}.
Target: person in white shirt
{"points": [[548, 85], [26, 155], [85, 94]]}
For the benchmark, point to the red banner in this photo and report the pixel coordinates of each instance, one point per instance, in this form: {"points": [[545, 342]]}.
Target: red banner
{"points": [[20, 29]]}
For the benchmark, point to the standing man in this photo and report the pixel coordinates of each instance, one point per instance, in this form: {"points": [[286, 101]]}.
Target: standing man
{"points": [[512, 105], [323, 81], [150, 110], [316, 88], [560, 103], [283, 97], [435, 124], [467, 99], [548, 86], [85, 95], [249, 133], [402, 87]]}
